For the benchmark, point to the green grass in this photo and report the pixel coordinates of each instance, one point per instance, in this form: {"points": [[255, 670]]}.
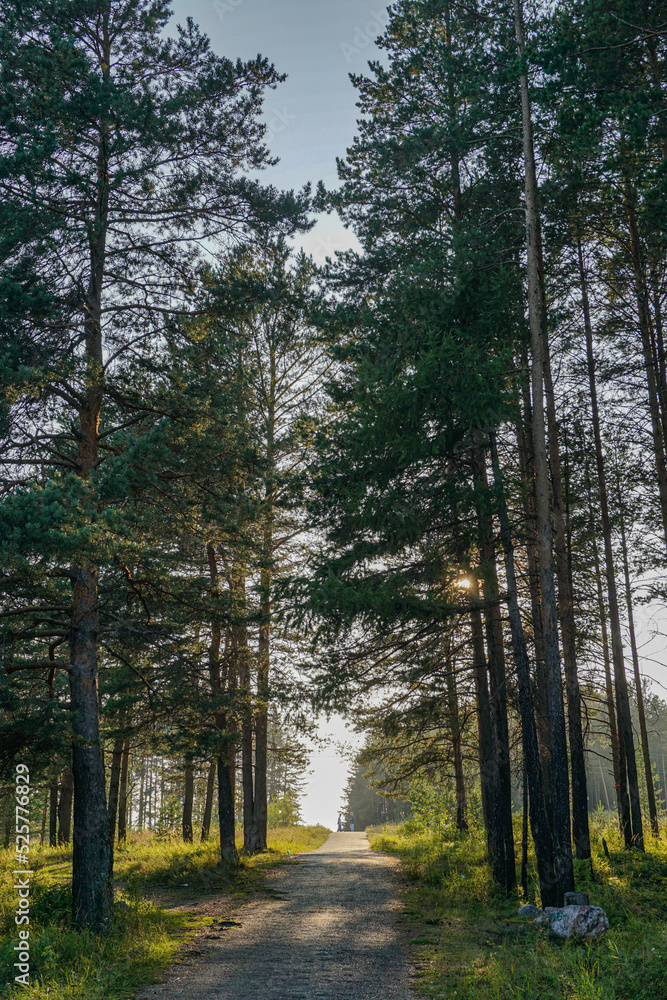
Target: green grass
{"points": [[146, 938], [470, 945]]}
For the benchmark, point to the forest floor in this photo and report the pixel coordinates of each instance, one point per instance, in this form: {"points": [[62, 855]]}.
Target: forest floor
{"points": [[174, 897], [467, 942]]}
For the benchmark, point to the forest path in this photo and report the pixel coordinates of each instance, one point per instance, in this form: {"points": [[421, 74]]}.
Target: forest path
{"points": [[323, 926]]}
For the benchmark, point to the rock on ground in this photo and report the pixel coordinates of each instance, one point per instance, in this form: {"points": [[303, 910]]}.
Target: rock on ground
{"points": [[323, 926], [585, 922]]}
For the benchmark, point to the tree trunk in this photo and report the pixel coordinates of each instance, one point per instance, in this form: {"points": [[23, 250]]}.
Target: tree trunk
{"points": [[634, 834], [620, 785], [524, 832], [53, 813], [226, 818], [114, 786], [541, 693], [65, 807], [122, 794], [242, 656], [42, 836], [188, 800], [92, 894], [549, 889], [580, 830], [92, 855], [504, 863], [485, 743], [208, 803], [648, 769], [537, 320], [142, 806], [455, 730]]}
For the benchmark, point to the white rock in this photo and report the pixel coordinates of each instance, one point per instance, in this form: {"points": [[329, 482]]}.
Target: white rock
{"points": [[584, 922]]}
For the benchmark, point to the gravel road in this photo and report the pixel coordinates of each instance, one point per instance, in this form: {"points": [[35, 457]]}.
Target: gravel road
{"points": [[323, 926]]}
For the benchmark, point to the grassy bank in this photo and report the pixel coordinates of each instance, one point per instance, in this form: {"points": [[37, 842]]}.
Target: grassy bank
{"points": [[470, 945], [147, 936]]}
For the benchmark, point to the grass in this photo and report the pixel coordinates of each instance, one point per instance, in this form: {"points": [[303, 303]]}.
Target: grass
{"points": [[146, 938], [470, 944]]}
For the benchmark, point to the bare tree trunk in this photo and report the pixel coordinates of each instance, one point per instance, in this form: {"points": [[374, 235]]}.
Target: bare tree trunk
{"points": [[53, 813], [208, 803], [580, 830], [226, 819], [541, 693], [42, 837], [65, 807], [188, 799], [524, 832], [620, 784], [142, 805], [537, 319], [504, 863], [455, 730], [648, 768], [542, 840], [485, 743], [114, 786], [635, 834], [122, 794]]}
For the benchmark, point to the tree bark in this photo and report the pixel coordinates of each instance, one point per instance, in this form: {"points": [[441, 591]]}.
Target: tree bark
{"points": [[542, 840], [53, 813], [226, 818], [541, 693], [188, 799], [634, 834], [524, 832], [485, 743], [92, 855], [580, 830], [208, 803], [641, 712], [504, 863], [65, 807], [455, 730], [122, 794], [114, 786], [537, 320], [620, 783]]}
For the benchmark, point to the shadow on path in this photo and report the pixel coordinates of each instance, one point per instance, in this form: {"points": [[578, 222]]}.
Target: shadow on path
{"points": [[325, 926]]}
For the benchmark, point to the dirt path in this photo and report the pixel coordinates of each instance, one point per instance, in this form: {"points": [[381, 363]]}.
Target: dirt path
{"points": [[324, 926]]}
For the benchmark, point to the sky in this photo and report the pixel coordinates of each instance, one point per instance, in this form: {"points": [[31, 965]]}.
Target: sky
{"points": [[311, 120], [311, 117]]}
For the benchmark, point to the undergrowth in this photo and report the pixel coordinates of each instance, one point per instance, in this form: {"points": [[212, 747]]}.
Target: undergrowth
{"points": [[145, 939], [471, 945]]}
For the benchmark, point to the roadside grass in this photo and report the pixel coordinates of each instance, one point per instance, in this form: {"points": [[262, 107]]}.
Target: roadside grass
{"points": [[469, 943], [146, 938]]}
